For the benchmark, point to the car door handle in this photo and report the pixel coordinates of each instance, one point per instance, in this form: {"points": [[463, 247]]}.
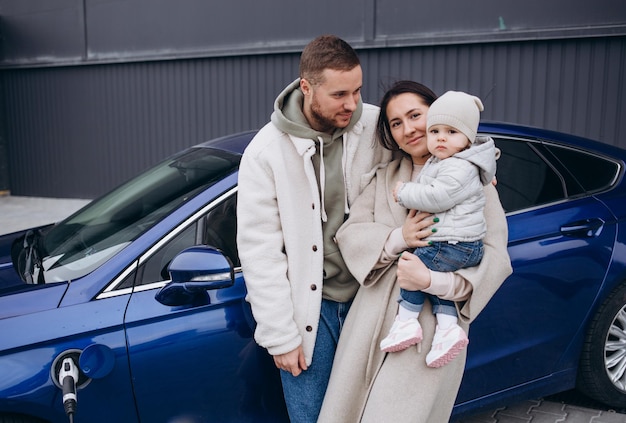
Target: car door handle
{"points": [[583, 228]]}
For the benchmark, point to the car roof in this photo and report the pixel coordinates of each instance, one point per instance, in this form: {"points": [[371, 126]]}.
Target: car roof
{"points": [[236, 143], [503, 128]]}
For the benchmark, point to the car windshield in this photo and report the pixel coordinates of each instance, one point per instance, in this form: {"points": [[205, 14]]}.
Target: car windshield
{"points": [[85, 240]]}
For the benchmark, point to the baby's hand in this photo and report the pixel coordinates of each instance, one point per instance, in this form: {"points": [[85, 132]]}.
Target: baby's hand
{"points": [[396, 189]]}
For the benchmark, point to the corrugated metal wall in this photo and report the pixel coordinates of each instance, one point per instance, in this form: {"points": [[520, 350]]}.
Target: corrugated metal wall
{"points": [[4, 164], [576, 86], [78, 131]]}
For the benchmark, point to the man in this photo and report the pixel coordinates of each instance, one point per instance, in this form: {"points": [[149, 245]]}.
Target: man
{"points": [[297, 179]]}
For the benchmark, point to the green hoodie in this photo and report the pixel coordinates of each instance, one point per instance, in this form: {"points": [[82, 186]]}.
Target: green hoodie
{"points": [[339, 284]]}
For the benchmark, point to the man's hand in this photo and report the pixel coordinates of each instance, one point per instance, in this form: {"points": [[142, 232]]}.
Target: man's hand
{"points": [[292, 362]]}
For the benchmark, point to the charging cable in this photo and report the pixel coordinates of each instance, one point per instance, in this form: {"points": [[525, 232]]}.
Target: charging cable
{"points": [[68, 378]]}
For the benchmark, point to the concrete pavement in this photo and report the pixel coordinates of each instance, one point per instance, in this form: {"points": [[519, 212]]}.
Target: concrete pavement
{"points": [[17, 213]]}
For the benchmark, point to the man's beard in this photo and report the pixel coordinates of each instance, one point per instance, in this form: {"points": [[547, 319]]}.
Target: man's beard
{"points": [[324, 123]]}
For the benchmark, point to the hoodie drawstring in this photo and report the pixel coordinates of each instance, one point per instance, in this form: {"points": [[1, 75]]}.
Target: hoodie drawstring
{"points": [[344, 166], [322, 179], [344, 160]]}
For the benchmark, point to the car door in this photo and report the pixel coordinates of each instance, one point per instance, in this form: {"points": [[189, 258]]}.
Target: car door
{"points": [[198, 362], [560, 244]]}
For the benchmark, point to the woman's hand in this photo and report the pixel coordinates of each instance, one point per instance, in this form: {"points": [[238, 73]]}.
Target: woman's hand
{"points": [[412, 273], [417, 227]]}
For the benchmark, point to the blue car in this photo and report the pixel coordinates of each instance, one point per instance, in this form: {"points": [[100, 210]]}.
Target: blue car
{"points": [[133, 309]]}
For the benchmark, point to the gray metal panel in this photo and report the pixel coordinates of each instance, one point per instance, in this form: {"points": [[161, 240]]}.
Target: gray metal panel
{"points": [[397, 19], [70, 32], [42, 31], [165, 28], [79, 131]]}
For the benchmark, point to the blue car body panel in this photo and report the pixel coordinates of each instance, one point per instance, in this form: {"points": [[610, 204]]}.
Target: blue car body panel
{"points": [[198, 362], [27, 354], [534, 321]]}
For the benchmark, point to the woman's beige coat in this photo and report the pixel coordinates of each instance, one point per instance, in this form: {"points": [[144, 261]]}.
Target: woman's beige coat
{"points": [[371, 386]]}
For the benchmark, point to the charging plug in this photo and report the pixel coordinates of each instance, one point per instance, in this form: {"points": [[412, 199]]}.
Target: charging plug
{"points": [[68, 379]]}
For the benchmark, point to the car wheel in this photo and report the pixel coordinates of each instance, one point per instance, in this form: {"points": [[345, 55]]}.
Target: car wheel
{"points": [[18, 418], [602, 369]]}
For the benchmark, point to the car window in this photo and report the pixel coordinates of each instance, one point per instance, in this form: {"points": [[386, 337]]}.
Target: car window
{"points": [[217, 228], [525, 178], [155, 268], [592, 172], [221, 229]]}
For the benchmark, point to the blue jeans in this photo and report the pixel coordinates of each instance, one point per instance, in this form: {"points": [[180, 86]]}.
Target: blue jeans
{"points": [[304, 393], [442, 257]]}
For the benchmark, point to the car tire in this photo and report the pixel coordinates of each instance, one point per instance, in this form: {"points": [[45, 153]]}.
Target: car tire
{"points": [[19, 418], [602, 368]]}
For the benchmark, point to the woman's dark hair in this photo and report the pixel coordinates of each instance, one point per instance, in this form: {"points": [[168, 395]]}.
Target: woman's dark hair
{"points": [[383, 132]]}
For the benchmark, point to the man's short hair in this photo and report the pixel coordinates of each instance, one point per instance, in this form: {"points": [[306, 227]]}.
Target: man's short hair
{"points": [[326, 52]]}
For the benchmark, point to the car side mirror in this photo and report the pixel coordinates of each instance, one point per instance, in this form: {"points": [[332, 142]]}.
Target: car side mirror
{"points": [[194, 271]]}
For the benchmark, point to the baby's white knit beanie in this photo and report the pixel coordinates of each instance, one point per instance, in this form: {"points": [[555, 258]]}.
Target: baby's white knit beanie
{"points": [[458, 110]]}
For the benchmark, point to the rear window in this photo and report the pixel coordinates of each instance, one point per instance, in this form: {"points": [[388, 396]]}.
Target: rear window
{"points": [[532, 173], [593, 173]]}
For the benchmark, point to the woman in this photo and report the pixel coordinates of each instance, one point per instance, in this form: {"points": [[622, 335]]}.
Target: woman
{"points": [[368, 385]]}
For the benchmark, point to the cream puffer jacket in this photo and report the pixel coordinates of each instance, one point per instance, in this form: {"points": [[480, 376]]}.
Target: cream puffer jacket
{"points": [[453, 189]]}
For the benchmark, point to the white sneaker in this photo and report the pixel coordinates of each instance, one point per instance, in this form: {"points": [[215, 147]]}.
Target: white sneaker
{"points": [[402, 335], [447, 344]]}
